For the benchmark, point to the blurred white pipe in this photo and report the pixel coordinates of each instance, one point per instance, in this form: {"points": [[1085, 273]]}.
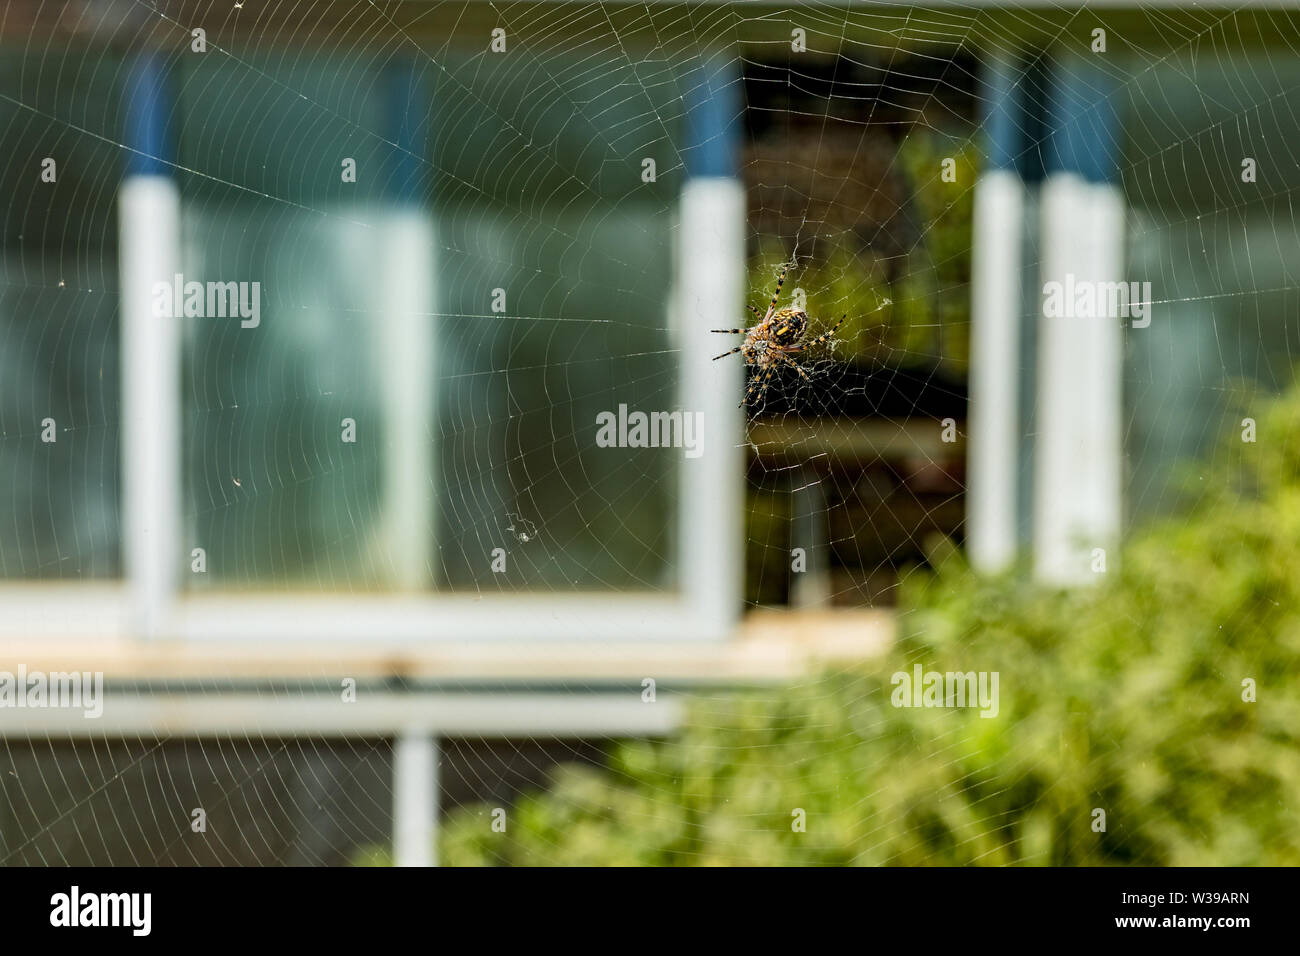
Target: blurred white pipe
{"points": [[149, 224], [810, 588], [711, 278], [406, 376], [415, 799], [993, 447], [1077, 487]]}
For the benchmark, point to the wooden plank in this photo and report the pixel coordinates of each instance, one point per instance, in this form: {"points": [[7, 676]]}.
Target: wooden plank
{"points": [[857, 441], [769, 646]]}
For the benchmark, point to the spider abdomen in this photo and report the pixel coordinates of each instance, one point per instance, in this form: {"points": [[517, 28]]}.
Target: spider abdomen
{"points": [[788, 326]]}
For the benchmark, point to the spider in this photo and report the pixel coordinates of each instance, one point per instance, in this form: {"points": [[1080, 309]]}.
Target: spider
{"points": [[773, 340]]}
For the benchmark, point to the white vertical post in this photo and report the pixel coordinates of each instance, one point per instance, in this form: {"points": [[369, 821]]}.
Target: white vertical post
{"points": [[406, 339], [415, 799], [1077, 498], [711, 281], [149, 222], [407, 381], [993, 422], [149, 254], [1077, 481], [710, 269]]}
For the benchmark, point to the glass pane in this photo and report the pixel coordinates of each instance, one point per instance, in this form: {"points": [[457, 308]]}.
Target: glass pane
{"points": [[1221, 256], [549, 276], [59, 385]]}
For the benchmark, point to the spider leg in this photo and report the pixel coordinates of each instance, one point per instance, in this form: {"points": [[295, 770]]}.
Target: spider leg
{"points": [[797, 367], [758, 383], [755, 311], [729, 331], [780, 280], [827, 334], [725, 354]]}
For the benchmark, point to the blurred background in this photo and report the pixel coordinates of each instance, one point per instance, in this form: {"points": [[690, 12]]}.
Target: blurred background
{"points": [[360, 576]]}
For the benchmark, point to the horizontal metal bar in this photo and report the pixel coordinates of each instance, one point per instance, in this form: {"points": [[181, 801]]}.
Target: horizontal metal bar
{"points": [[371, 715]]}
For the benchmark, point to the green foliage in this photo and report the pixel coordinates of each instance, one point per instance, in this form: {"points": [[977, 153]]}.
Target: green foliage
{"points": [[1126, 697]]}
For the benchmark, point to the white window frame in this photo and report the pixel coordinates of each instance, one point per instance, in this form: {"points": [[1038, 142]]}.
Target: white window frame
{"points": [[709, 259], [149, 602]]}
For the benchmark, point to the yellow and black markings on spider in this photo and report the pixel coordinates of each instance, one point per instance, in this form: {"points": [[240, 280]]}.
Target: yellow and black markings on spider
{"points": [[771, 342]]}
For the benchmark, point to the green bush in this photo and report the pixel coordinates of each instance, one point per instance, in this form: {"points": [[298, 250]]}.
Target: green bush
{"points": [[1127, 697]]}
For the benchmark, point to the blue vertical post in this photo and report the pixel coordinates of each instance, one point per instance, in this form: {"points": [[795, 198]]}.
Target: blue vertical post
{"points": [[714, 118], [405, 332], [1077, 479], [710, 266], [147, 108], [408, 122], [994, 446], [149, 264]]}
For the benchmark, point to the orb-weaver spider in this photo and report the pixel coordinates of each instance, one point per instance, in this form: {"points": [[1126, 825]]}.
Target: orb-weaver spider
{"points": [[773, 340]]}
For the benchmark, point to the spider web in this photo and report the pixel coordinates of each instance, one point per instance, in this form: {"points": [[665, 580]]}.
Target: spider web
{"points": [[529, 162]]}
